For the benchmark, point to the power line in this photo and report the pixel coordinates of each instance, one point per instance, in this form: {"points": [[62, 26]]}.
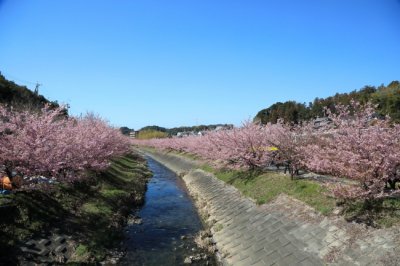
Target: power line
{"points": [[14, 78]]}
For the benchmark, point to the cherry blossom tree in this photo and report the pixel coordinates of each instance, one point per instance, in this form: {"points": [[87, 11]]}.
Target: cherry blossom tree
{"points": [[288, 142], [246, 146], [243, 147], [356, 145], [361, 147], [50, 144]]}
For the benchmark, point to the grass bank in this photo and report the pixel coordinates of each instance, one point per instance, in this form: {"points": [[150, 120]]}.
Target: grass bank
{"points": [[92, 213], [263, 187]]}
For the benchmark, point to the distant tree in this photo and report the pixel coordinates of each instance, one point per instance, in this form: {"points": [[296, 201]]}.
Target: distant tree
{"points": [[288, 111], [175, 130], [126, 130], [387, 98], [151, 134], [155, 128]]}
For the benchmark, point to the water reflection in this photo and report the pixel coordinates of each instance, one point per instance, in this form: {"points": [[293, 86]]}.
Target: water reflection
{"points": [[169, 223]]}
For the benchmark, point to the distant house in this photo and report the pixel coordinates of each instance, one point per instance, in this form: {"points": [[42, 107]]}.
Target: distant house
{"points": [[189, 133], [133, 134], [184, 134], [226, 127]]}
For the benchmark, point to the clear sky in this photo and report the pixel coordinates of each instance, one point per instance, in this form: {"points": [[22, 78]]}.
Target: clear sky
{"points": [[173, 63]]}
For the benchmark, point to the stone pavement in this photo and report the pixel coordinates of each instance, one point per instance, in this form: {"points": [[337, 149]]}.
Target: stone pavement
{"points": [[54, 249], [284, 232], [245, 233]]}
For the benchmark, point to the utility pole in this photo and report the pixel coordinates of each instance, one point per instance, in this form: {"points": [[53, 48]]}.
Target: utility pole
{"points": [[37, 88]]}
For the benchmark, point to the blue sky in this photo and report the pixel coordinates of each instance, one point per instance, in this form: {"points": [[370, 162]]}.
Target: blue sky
{"points": [[173, 63]]}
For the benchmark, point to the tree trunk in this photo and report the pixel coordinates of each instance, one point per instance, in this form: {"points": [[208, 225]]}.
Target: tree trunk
{"points": [[392, 184]]}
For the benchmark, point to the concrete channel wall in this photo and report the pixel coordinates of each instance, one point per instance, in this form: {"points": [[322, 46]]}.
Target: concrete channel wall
{"points": [[274, 234]]}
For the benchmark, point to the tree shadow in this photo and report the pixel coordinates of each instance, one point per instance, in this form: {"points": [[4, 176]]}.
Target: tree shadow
{"points": [[376, 213], [30, 216], [245, 176]]}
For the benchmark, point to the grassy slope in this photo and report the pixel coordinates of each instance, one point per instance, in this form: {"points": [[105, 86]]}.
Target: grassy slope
{"points": [[91, 212], [266, 186]]}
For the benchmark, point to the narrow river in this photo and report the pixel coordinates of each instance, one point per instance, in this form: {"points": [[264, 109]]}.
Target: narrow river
{"points": [[169, 224]]}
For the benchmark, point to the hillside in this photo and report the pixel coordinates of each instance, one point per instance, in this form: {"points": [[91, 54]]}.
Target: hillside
{"points": [[387, 99], [20, 96]]}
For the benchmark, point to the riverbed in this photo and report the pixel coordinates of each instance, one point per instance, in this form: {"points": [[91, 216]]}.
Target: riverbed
{"points": [[169, 223]]}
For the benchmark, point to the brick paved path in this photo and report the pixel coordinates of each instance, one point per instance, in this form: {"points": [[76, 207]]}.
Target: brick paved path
{"points": [[46, 251], [249, 235]]}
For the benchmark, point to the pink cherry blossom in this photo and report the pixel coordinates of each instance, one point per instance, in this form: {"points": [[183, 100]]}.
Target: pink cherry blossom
{"points": [[355, 145], [48, 143]]}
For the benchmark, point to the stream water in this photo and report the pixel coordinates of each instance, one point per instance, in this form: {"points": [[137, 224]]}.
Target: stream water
{"points": [[169, 224]]}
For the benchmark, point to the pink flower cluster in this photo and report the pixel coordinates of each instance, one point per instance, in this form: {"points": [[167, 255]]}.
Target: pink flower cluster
{"points": [[249, 146], [361, 147], [48, 143], [355, 145]]}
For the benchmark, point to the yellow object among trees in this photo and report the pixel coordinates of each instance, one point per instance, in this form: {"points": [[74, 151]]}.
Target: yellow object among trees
{"points": [[5, 183]]}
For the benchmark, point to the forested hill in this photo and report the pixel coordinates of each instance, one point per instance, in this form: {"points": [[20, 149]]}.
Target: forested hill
{"points": [[386, 97], [20, 96]]}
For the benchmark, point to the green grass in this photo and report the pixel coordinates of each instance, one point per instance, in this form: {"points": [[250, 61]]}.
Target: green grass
{"points": [[264, 187], [82, 250], [96, 208], [113, 193], [218, 227], [189, 155], [113, 200], [180, 153]]}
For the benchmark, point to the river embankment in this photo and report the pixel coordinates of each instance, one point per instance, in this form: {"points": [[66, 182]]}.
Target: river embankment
{"points": [[285, 231], [79, 222]]}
